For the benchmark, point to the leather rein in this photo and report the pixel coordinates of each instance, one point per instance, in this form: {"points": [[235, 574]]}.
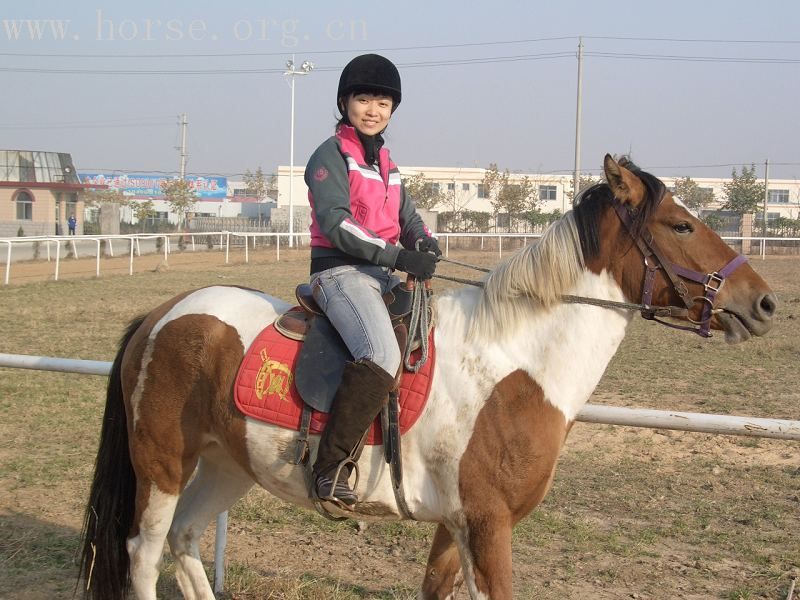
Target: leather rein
{"points": [[654, 262]]}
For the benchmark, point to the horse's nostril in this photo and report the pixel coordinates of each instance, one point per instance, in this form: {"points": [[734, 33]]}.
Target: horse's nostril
{"points": [[768, 304]]}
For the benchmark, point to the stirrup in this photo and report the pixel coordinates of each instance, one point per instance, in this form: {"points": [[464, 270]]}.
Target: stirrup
{"points": [[336, 483]]}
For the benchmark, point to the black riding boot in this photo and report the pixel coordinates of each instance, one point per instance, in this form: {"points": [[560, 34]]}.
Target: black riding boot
{"points": [[362, 393]]}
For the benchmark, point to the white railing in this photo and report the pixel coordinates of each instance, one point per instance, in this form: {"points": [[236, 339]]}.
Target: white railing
{"points": [[134, 244]]}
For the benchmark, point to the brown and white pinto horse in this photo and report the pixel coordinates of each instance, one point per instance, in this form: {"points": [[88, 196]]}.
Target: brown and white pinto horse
{"points": [[514, 366]]}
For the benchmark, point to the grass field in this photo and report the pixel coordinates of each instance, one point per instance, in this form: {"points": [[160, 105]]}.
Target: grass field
{"points": [[633, 513]]}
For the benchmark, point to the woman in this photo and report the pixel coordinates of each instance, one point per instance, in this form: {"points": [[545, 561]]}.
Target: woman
{"points": [[359, 211]]}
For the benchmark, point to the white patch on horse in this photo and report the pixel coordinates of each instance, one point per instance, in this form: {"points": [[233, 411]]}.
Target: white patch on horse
{"points": [[136, 398], [146, 548], [247, 311]]}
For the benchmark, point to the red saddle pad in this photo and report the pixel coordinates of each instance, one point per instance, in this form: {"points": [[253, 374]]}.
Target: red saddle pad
{"points": [[265, 389]]}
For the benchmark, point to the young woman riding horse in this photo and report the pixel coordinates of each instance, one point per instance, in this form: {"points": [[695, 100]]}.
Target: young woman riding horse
{"points": [[359, 211], [515, 362]]}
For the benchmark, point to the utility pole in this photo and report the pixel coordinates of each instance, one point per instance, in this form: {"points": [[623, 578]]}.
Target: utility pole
{"points": [[183, 145], [766, 195], [577, 175], [291, 72]]}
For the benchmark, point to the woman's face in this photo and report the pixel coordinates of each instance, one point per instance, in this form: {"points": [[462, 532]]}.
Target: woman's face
{"points": [[369, 113]]}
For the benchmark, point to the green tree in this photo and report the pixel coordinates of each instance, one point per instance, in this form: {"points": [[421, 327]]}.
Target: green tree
{"points": [[688, 192], [97, 197], [426, 195], [256, 184], [143, 210], [584, 183], [743, 193], [512, 197], [180, 196]]}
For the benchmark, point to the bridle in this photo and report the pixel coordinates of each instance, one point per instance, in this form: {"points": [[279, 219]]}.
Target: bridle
{"points": [[654, 261]]}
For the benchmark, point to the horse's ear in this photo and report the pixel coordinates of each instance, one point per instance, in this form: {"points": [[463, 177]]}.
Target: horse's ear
{"points": [[625, 185]]}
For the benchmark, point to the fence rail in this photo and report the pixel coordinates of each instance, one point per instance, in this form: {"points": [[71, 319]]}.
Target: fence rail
{"points": [[238, 239]]}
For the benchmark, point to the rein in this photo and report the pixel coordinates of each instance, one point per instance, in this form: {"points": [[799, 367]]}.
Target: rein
{"points": [[661, 311], [654, 261]]}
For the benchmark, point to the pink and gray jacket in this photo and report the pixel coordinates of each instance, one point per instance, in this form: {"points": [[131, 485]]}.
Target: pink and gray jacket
{"points": [[358, 211]]}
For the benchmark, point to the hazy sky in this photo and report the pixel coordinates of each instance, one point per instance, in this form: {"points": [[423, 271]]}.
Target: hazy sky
{"points": [[492, 83]]}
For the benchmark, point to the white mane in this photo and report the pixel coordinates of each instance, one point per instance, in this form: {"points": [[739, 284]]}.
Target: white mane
{"points": [[532, 279]]}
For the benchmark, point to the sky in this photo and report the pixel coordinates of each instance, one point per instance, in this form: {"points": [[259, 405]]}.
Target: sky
{"points": [[688, 88]]}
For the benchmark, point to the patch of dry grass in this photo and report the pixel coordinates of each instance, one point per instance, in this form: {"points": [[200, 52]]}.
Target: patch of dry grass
{"points": [[675, 515]]}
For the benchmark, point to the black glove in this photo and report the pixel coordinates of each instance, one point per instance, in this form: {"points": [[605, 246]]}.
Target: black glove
{"points": [[419, 264], [428, 244]]}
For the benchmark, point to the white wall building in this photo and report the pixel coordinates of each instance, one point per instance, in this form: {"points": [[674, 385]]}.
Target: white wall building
{"points": [[553, 190]]}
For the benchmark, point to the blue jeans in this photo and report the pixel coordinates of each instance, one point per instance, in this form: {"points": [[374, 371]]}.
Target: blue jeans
{"points": [[351, 297]]}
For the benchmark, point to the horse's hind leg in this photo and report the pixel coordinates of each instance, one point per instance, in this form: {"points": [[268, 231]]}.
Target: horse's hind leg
{"points": [[443, 568], [154, 510], [217, 484]]}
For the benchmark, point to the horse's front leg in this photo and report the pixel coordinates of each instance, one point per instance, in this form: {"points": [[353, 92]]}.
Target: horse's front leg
{"points": [[485, 549], [443, 568]]}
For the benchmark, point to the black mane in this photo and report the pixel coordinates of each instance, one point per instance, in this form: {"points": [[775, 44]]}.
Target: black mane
{"points": [[592, 202]]}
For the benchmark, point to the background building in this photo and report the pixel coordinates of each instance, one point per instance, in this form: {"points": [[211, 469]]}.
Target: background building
{"points": [[38, 192]]}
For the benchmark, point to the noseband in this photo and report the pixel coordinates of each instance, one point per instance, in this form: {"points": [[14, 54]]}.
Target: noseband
{"points": [[654, 262]]}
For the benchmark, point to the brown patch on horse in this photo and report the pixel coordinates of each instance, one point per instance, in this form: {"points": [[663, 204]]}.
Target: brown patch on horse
{"points": [[443, 567], [505, 472], [186, 399]]}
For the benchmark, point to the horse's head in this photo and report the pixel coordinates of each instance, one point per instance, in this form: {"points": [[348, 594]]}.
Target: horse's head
{"points": [[660, 253]]}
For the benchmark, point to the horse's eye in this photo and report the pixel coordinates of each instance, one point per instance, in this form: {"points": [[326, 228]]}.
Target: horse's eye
{"points": [[683, 227]]}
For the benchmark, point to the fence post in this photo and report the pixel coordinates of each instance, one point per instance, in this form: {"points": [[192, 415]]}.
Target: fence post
{"points": [[97, 259], [58, 259], [8, 261], [227, 245]]}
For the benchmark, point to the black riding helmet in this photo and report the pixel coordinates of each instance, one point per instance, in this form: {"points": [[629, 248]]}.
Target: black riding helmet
{"points": [[369, 73]]}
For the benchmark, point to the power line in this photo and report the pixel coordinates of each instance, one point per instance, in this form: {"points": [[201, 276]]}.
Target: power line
{"points": [[401, 48], [228, 71], [711, 59], [284, 53], [688, 40]]}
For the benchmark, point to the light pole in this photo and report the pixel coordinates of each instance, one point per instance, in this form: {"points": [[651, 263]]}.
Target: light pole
{"points": [[291, 72]]}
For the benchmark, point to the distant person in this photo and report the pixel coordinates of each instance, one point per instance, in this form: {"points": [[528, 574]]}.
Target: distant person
{"points": [[71, 223]]}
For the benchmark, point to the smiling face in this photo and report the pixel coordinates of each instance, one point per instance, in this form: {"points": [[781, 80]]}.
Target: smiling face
{"points": [[369, 113]]}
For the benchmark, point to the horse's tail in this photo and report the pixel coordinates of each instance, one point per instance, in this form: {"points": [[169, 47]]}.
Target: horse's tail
{"points": [[104, 561]]}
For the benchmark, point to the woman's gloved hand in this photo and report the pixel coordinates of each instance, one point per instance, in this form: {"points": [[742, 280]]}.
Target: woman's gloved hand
{"points": [[419, 264], [428, 244]]}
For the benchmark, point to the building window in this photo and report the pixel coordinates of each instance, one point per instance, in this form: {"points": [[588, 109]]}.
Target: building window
{"points": [[482, 190], [24, 203], [547, 192], [464, 187], [239, 192], [451, 187], [778, 196], [435, 187]]}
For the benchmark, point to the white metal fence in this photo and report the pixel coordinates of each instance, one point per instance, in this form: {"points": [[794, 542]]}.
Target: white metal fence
{"points": [[28, 248]]}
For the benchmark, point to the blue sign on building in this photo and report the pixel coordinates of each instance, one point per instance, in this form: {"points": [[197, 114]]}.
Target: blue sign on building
{"points": [[149, 186]]}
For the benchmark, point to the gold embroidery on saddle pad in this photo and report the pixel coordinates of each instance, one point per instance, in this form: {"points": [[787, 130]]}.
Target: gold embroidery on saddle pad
{"points": [[273, 377]]}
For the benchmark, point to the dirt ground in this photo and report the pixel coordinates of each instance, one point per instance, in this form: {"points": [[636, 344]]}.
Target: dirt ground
{"points": [[633, 513]]}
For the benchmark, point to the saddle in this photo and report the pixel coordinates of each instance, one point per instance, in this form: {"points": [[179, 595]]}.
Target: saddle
{"points": [[324, 354], [321, 362]]}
